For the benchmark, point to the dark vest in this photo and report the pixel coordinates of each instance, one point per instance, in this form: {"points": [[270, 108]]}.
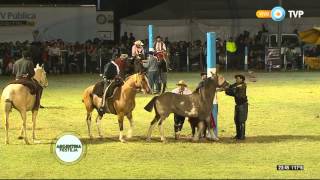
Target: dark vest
{"points": [[110, 71]]}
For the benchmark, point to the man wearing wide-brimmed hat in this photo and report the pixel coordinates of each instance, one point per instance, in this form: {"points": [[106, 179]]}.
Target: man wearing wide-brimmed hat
{"points": [[138, 55], [179, 120], [137, 50]]}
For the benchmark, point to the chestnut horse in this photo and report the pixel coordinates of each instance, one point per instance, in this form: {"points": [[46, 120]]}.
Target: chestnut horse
{"points": [[18, 96], [124, 102]]}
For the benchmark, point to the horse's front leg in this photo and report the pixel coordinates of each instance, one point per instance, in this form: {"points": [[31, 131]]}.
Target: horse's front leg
{"points": [[34, 119], [120, 121], [130, 118], [198, 131]]}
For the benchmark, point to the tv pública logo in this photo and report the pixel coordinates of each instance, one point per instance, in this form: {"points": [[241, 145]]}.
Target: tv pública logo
{"points": [[278, 13]]}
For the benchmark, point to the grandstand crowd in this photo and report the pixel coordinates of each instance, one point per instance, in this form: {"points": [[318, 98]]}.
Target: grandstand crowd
{"points": [[59, 56]]}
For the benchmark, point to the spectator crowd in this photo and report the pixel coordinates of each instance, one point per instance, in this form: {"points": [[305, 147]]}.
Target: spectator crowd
{"points": [[65, 57]]}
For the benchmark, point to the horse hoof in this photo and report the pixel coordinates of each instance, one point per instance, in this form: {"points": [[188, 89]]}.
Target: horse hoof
{"points": [[148, 139], [122, 140], [91, 137], [7, 142], [27, 142], [20, 137], [101, 137]]}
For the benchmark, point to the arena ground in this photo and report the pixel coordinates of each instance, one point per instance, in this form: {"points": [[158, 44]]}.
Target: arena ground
{"points": [[283, 127]]}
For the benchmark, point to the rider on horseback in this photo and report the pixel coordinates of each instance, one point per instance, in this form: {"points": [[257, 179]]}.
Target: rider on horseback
{"points": [[23, 69], [161, 49], [138, 55], [104, 89]]}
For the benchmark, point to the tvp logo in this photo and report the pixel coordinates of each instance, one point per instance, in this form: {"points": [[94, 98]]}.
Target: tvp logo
{"points": [[278, 13]]}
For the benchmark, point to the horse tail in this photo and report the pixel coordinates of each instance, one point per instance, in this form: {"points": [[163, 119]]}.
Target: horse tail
{"points": [[6, 103], [151, 104]]}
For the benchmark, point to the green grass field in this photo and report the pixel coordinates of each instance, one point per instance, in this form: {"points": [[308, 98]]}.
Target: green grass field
{"points": [[283, 127]]}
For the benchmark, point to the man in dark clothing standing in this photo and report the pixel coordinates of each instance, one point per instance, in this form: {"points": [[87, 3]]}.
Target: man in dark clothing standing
{"points": [[162, 66], [238, 91]]}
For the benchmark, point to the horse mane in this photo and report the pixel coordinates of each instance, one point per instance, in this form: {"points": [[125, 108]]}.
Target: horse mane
{"points": [[129, 77]]}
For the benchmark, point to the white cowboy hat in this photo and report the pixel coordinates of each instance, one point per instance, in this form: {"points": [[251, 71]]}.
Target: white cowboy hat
{"points": [[182, 83], [138, 43], [124, 56]]}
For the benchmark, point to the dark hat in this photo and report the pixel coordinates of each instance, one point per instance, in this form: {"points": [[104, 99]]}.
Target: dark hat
{"points": [[241, 76], [203, 73]]}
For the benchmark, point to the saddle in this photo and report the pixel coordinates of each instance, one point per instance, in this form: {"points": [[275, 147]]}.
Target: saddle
{"points": [[107, 90], [28, 83]]}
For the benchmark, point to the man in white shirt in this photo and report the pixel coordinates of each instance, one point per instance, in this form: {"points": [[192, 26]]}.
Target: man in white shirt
{"points": [[179, 120], [159, 45]]}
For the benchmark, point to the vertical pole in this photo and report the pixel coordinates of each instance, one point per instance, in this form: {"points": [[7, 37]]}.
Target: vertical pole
{"points": [[302, 58], [85, 59], [226, 63], [200, 59], [211, 67], [98, 5], [246, 58], [100, 62], [150, 32], [188, 60], [285, 61]]}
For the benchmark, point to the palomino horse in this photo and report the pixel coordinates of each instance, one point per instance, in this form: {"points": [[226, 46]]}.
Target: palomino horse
{"points": [[124, 102], [18, 96]]}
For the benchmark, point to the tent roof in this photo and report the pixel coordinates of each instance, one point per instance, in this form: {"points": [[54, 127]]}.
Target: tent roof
{"points": [[221, 9]]}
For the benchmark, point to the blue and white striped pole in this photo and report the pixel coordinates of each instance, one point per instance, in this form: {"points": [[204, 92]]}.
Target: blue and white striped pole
{"points": [[211, 67], [150, 32]]}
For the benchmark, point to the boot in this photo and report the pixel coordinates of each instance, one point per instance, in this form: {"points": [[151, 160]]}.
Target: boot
{"points": [[238, 131], [242, 131]]}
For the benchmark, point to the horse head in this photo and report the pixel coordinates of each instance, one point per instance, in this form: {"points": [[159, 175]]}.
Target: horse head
{"points": [[41, 75], [141, 81], [219, 79]]}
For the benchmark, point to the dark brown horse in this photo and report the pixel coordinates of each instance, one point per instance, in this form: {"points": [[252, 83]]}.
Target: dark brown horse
{"points": [[196, 105], [124, 102]]}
